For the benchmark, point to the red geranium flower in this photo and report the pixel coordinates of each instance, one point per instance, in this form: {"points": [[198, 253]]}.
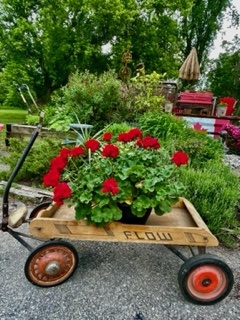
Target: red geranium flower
{"points": [[148, 142], [130, 135], [64, 153], [124, 137], [51, 178], [92, 144], [60, 192], [110, 185], [180, 158], [58, 163], [76, 151], [110, 150], [135, 133], [107, 136]]}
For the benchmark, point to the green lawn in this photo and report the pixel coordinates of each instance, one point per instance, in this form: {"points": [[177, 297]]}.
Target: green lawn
{"points": [[13, 116]]}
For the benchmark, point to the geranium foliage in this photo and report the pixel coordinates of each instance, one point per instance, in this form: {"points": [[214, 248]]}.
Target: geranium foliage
{"points": [[134, 169]]}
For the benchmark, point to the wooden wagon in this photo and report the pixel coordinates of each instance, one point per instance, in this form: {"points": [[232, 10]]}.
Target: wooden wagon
{"points": [[203, 278]]}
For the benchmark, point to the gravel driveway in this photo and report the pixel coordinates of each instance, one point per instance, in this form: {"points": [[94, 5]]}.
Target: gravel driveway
{"points": [[114, 281]]}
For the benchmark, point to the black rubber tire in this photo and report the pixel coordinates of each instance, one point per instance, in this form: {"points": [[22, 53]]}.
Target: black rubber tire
{"points": [[51, 263], [205, 279], [38, 208]]}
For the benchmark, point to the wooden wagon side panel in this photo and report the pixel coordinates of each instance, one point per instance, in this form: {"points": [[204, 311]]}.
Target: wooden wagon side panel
{"points": [[118, 232], [182, 226]]}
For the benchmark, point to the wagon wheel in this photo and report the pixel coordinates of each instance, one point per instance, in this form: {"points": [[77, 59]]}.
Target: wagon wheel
{"points": [[44, 205], [205, 279], [51, 263]]}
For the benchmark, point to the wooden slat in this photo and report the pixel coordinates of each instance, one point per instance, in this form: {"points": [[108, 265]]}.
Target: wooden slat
{"points": [[20, 131], [195, 215], [26, 191]]}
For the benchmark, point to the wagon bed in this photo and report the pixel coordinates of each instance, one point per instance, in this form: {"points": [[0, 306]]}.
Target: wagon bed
{"points": [[182, 226]]}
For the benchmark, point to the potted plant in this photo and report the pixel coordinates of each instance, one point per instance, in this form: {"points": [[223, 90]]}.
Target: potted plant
{"points": [[100, 175], [221, 109]]}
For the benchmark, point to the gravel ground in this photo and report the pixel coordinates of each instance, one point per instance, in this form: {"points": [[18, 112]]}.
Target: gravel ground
{"points": [[113, 282], [233, 161]]}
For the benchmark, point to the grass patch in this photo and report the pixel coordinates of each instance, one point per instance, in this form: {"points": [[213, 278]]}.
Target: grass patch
{"points": [[13, 116]]}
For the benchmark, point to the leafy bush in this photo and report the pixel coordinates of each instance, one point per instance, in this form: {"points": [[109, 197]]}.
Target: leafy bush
{"points": [[176, 134], [36, 162], [93, 99], [146, 94], [214, 191], [200, 147], [32, 120], [165, 126]]}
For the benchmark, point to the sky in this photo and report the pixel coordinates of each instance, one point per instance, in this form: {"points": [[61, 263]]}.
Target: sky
{"points": [[226, 34]]}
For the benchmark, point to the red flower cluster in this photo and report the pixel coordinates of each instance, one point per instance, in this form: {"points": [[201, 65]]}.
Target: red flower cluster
{"points": [[58, 163], [60, 192], [180, 158], [110, 185], [64, 153], [135, 133], [148, 142], [77, 151], [92, 144], [131, 135], [52, 177], [107, 136], [110, 150]]}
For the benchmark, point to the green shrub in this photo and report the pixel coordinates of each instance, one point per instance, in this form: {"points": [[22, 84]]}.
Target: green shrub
{"points": [[175, 133], [93, 99], [32, 120], [200, 147], [36, 163], [214, 191], [165, 126], [145, 94]]}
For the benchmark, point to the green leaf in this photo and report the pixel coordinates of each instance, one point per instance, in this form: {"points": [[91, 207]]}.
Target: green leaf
{"points": [[82, 210]]}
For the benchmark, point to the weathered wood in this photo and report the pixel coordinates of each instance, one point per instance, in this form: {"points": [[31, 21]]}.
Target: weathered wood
{"points": [[21, 131], [26, 191], [182, 226]]}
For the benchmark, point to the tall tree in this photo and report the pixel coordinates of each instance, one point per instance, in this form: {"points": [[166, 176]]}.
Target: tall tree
{"points": [[43, 42], [223, 77], [199, 26]]}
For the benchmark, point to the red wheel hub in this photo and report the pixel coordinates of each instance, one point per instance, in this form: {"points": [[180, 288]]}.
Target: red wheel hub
{"points": [[206, 281]]}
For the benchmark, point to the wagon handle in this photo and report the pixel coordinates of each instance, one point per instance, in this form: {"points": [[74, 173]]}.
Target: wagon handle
{"points": [[5, 205]]}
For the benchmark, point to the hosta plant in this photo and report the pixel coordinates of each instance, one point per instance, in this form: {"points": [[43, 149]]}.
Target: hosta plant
{"points": [[99, 174]]}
